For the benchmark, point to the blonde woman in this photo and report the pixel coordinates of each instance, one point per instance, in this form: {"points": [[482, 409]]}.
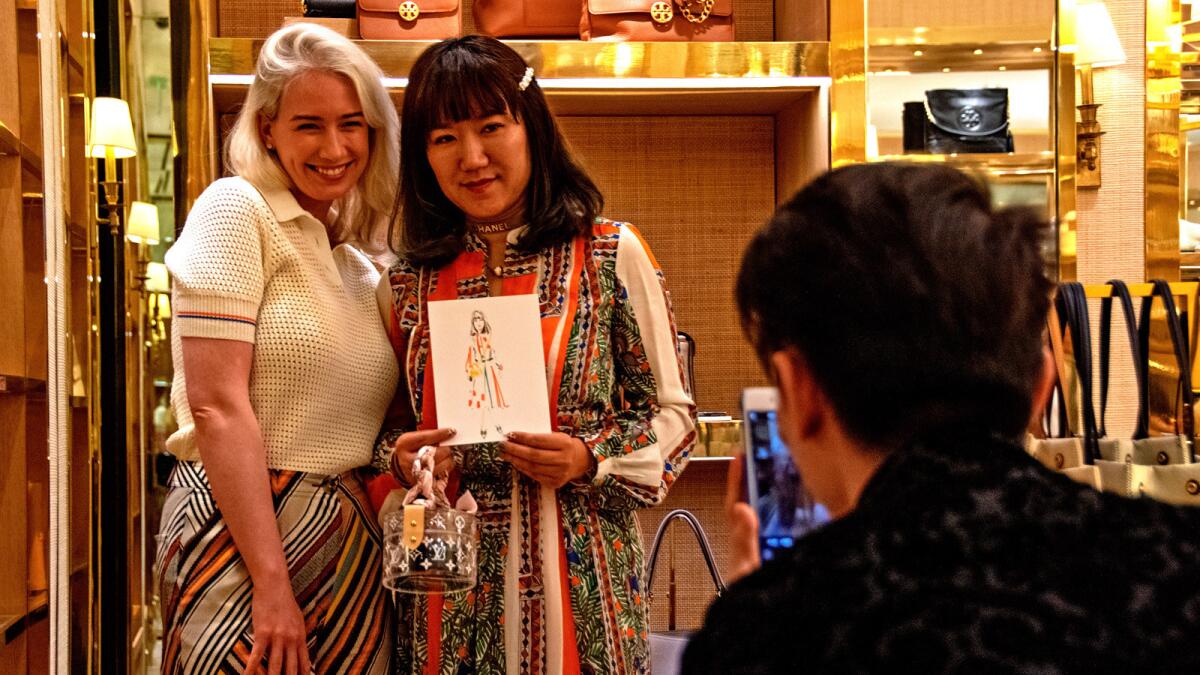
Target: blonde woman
{"points": [[267, 558]]}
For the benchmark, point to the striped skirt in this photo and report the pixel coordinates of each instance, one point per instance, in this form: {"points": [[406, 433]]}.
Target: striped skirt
{"points": [[332, 546]]}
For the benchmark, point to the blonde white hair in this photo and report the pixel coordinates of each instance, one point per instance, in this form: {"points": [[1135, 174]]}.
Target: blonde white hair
{"points": [[361, 216]]}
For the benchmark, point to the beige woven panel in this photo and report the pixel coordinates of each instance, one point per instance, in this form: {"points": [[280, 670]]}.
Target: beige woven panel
{"points": [[754, 19], [254, 18], [1110, 218], [941, 14], [697, 188], [701, 490]]}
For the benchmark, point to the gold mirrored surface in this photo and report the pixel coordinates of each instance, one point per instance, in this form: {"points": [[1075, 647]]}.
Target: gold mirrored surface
{"points": [[593, 60]]}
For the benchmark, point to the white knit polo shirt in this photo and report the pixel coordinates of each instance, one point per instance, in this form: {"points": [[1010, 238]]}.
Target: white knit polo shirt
{"points": [[253, 265]]}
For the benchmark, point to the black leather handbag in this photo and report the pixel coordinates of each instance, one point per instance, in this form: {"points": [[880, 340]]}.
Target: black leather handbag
{"points": [[331, 9], [967, 120]]}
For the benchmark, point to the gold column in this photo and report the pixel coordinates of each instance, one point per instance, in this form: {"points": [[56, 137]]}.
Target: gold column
{"points": [[198, 136], [848, 69], [1162, 141], [1064, 116]]}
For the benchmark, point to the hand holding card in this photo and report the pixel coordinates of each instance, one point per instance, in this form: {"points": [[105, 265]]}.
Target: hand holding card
{"points": [[489, 370]]}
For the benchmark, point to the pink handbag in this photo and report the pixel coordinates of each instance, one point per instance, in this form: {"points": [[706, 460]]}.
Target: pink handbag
{"points": [[527, 18], [657, 20], [409, 19]]}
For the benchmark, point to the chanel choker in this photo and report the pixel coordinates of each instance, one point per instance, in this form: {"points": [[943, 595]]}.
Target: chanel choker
{"points": [[492, 228]]}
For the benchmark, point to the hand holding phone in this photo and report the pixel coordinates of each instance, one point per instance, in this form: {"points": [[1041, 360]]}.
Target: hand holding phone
{"points": [[773, 486], [743, 524]]}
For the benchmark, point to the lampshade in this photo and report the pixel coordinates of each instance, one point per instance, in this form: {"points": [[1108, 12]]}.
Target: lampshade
{"points": [[143, 223], [158, 280], [1099, 46], [112, 128]]}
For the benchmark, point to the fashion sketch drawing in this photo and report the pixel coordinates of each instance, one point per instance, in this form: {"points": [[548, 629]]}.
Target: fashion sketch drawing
{"points": [[483, 371]]}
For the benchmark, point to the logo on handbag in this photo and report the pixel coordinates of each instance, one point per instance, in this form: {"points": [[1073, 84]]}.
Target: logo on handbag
{"points": [[409, 11], [969, 118], [661, 12]]}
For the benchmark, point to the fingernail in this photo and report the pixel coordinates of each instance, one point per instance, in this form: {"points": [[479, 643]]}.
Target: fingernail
{"points": [[511, 435], [452, 431]]}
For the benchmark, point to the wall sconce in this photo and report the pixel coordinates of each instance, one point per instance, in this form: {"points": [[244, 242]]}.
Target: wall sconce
{"points": [[1098, 47], [142, 231], [158, 305], [111, 139]]}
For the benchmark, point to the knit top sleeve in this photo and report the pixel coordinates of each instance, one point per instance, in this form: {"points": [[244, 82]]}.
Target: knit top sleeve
{"points": [[218, 265]]}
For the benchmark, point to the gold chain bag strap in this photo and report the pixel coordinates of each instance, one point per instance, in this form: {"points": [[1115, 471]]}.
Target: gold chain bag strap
{"points": [[685, 8]]}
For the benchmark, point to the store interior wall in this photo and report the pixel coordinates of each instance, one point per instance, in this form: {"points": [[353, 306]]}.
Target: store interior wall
{"points": [[1111, 218]]}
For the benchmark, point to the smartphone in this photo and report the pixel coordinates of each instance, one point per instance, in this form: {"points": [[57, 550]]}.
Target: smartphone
{"points": [[773, 486]]}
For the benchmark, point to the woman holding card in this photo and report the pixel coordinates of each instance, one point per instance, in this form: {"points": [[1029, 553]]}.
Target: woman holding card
{"points": [[267, 560], [492, 204]]}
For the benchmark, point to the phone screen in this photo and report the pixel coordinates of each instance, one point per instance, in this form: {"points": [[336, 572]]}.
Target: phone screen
{"points": [[785, 511]]}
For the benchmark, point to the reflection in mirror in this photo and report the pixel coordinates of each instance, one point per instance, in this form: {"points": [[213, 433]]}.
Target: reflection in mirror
{"points": [[1189, 143], [973, 84]]}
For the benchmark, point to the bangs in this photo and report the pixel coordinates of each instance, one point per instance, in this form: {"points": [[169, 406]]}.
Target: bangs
{"points": [[466, 87]]}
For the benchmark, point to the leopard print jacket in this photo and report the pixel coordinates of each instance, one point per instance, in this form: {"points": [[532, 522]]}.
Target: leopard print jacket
{"points": [[969, 557]]}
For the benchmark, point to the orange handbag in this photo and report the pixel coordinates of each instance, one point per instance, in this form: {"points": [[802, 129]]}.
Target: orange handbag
{"points": [[657, 20], [527, 18], [409, 19]]}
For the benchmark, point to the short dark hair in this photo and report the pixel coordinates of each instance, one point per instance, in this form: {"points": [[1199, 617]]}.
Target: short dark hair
{"points": [[476, 76], [916, 305]]}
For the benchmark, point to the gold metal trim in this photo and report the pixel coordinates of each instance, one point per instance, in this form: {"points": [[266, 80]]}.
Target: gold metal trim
{"points": [[848, 94], [578, 59], [201, 168], [1162, 142], [1063, 114]]}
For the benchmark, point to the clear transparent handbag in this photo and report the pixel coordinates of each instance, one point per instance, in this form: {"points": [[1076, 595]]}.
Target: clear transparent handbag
{"points": [[429, 550], [429, 546]]}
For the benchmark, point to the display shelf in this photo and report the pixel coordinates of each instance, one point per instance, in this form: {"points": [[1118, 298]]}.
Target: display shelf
{"points": [[1006, 163], [1189, 263], [706, 460], [16, 384], [13, 625], [10, 144], [972, 57], [604, 78]]}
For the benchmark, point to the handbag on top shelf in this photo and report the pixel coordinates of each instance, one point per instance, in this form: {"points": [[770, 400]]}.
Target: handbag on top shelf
{"points": [[967, 121], [409, 19], [657, 20], [527, 18]]}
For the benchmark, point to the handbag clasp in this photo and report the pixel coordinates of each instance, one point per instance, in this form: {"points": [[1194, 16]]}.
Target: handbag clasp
{"points": [[661, 12], [409, 11]]}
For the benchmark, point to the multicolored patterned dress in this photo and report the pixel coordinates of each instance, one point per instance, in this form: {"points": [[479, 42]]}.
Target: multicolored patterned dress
{"points": [[560, 582]]}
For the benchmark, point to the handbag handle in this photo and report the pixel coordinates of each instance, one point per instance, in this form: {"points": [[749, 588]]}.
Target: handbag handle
{"points": [[1162, 291], [1121, 292], [1054, 333], [1074, 300], [706, 550]]}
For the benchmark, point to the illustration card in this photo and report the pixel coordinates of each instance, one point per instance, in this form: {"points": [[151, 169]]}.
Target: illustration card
{"points": [[489, 372]]}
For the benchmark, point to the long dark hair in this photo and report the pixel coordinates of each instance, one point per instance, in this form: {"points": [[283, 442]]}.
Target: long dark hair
{"points": [[465, 78]]}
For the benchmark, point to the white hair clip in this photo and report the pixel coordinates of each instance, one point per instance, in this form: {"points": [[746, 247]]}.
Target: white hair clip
{"points": [[527, 79]]}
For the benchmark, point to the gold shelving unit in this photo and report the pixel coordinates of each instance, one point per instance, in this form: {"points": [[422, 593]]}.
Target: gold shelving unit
{"points": [[627, 78]]}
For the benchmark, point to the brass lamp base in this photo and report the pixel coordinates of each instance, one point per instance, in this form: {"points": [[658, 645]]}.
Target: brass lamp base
{"points": [[1087, 170]]}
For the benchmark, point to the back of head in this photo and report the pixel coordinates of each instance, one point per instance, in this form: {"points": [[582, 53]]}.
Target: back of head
{"points": [[467, 78], [293, 51], [915, 305]]}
